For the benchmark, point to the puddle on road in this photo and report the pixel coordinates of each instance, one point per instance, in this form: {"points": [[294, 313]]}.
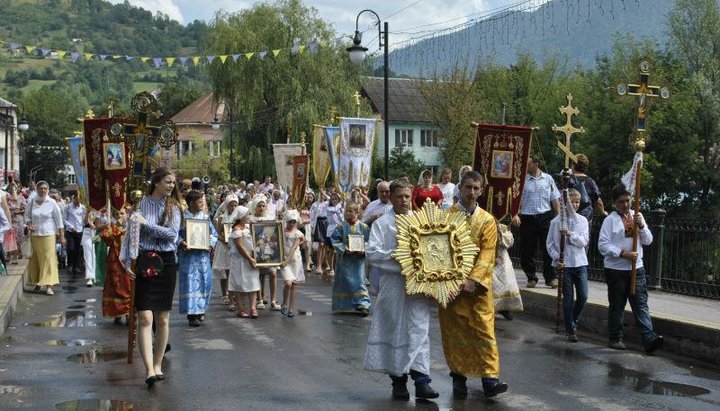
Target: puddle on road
{"points": [[69, 289], [641, 382], [96, 355], [71, 343], [95, 405], [77, 307], [68, 319], [87, 300]]}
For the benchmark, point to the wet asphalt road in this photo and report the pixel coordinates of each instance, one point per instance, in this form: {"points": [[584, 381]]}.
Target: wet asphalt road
{"points": [[60, 354]]}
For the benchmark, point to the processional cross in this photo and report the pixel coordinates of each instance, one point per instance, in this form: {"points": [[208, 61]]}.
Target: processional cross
{"points": [[568, 129], [142, 136], [643, 91]]}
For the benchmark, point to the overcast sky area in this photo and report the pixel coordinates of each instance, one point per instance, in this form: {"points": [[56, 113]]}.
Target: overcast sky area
{"points": [[403, 16]]}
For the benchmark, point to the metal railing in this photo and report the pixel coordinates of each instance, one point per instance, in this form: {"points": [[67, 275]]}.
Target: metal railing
{"points": [[684, 257]]}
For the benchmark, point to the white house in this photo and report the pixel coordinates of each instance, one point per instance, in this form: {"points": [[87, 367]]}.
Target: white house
{"points": [[9, 151]]}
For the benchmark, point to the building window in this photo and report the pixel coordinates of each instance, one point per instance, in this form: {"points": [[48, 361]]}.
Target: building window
{"points": [[214, 148], [71, 179], [404, 138], [185, 148], [428, 138]]}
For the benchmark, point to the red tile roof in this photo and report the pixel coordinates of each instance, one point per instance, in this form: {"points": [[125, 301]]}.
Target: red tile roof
{"points": [[204, 110]]}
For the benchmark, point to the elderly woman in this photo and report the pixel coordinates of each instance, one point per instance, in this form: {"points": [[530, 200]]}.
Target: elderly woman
{"points": [[424, 190], [44, 222]]}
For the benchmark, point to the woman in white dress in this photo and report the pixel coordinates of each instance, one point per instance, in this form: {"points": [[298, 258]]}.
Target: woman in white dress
{"points": [[221, 261], [292, 269], [244, 279], [44, 221], [505, 289], [447, 188]]}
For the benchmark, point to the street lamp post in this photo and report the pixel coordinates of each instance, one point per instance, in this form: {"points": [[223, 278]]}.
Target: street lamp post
{"points": [[357, 55]]}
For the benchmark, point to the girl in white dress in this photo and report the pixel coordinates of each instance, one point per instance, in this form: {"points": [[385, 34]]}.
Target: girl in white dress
{"points": [[244, 279], [292, 268], [221, 261]]}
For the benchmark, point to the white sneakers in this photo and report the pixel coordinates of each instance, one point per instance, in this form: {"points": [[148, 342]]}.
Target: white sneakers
{"points": [[90, 282], [49, 291]]}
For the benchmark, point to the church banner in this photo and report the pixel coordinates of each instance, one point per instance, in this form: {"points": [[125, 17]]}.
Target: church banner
{"points": [[95, 133], [116, 170], [501, 154], [357, 137], [284, 155], [332, 139], [77, 159], [300, 178], [320, 156]]}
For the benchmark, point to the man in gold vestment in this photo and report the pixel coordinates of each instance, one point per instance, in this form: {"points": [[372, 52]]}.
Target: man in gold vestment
{"points": [[468, 322]]}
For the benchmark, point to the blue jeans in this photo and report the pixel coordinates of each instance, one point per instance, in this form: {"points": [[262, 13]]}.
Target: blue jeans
{"points": [[577, 278], [618, 282]]}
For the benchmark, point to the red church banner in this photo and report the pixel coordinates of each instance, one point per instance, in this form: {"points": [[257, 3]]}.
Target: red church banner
{"points": [[501, 154], [300, 170], [107, 165]]}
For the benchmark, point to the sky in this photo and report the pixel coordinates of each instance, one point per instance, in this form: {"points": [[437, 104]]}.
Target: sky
{"points": [[403, 16]]}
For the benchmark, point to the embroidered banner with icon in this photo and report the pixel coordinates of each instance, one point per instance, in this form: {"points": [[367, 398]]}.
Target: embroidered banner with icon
{"points": [[75, 148], [284, 155], [501, 154], [300, 175], [320, 156], [357, 138]]}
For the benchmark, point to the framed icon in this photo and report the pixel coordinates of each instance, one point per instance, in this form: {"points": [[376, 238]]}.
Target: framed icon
{"points": [[267, 239], [502, 164], [114, 156], [356, 242], [227, 230], [357, 136], [197, 233]]}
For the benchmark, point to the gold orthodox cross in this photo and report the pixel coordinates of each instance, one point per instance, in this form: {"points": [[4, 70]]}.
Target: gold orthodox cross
{"points": [[643, 91], [357, 102], [568, 129], [141, 136]]}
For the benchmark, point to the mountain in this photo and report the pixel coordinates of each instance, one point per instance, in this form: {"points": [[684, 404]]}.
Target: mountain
{"points": [[578, 30]]}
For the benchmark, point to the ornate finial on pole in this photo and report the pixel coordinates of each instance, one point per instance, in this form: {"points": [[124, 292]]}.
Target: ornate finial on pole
{"points": [[568, 129], [357, 102], [333, 113], [89, 113]]}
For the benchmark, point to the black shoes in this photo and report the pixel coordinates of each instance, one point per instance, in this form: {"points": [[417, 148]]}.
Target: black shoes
{"points": [[617, 345], [508, 316], [493, 387], [460, 390], [399, 390], [571, 336], [151, 380], [424, 390], [193, 320], [654, 344]]}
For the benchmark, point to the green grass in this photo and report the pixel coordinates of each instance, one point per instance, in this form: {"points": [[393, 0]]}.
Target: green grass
{"points": [[139, 86]]}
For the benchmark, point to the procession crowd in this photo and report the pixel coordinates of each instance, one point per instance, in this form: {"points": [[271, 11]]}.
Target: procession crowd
{"points": [[247, 236]]}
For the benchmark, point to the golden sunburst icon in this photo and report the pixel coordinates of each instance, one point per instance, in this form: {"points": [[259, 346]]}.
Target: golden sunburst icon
{"points": [[435, 252]]}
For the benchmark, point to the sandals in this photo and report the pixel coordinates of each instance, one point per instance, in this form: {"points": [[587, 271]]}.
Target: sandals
{"points": [[253, 314], [225, 300], [284, 311], [275, 306], [243, 314], [291, 314]]}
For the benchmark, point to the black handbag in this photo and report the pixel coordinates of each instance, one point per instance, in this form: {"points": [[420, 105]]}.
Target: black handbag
{"points": [[149, 264]]}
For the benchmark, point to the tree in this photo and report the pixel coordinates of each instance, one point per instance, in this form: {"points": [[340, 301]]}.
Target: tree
{"points": [[402, 164], [265, 96]]}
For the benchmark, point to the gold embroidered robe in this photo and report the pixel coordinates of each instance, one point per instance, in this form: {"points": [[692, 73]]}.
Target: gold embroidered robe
{"points": [[468, 323]]}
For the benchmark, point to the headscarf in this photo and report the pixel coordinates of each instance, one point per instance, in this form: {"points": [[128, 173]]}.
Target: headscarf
{"points": [[228, 217], [291, 215], [421, 181], [259, 198], [240, 212]]}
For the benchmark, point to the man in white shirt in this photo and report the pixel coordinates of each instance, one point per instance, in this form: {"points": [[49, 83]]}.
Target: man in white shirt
{"points": [[266, 187], [615, 243], [378, 207], [74, 217], [399, 338]]}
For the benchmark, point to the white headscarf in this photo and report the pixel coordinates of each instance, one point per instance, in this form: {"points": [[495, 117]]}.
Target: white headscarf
{"points": [[259, 198], [229, 217], [421, 181]]}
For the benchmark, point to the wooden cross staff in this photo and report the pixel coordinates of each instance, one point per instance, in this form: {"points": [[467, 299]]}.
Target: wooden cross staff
{"points": [[140, 137], [568, 129], [644, 92]]}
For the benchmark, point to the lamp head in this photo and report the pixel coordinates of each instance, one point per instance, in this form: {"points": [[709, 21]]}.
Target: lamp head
{"points": [[23, 125], [357, 51], [215, 124]]}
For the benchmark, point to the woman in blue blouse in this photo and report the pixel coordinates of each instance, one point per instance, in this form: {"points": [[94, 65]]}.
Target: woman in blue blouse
{"points": [[160, 224]]}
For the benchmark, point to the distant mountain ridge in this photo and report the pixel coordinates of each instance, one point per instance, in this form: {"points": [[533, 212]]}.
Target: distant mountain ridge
{"points": [[574, 29]]}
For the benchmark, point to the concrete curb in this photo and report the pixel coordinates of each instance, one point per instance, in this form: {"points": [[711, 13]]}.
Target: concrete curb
{"points": [[685, 337], [11, 287]]}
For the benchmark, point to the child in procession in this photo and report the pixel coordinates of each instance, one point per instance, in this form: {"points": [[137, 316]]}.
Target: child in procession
{"points": [[349, 291], [244, 279], [576, 235], [194, 269], [221, 259], [291, 269], [334, 213], [260, 212]]}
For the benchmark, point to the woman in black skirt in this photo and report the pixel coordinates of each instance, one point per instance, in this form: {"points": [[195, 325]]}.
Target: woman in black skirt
{"points": [[156, 269]]}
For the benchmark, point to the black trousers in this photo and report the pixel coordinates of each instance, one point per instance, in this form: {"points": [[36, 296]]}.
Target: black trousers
{"points": [[533, 233], [74, 250]]}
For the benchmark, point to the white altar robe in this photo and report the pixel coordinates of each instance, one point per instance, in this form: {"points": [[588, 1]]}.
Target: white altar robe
{"points": [[399, 337]]}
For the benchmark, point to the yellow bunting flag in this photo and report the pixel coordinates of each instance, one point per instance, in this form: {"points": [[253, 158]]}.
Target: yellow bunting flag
{"points": [[88, 56], [30, 49], [223, 58], [301, 48], [116, 57], [196, 60], [170, 61], [276, 52], [144, 59], [61, 54], [249, 55]]}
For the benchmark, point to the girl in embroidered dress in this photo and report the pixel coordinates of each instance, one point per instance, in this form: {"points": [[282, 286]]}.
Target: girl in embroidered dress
{"points": [[221, 261], [244, 280], [291, 269], [195, 276]]}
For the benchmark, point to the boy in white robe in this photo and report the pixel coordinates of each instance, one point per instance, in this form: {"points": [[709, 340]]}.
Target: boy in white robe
{"points": [[399, 340]]}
